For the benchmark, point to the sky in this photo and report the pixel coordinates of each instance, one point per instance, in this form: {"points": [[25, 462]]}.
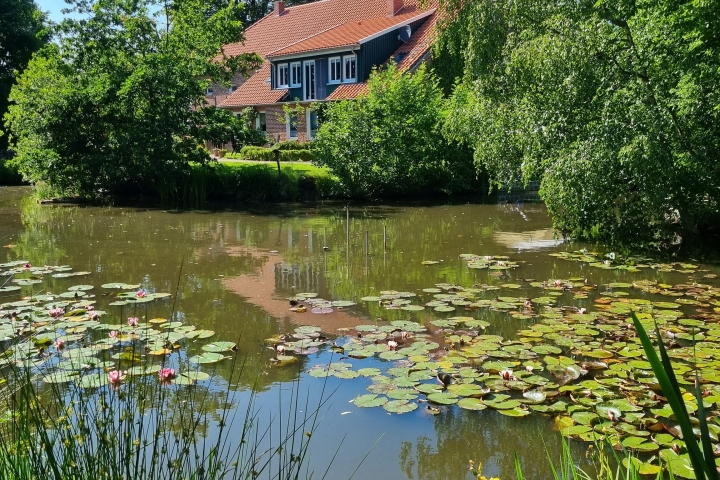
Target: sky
{"points": [[53, 8]]}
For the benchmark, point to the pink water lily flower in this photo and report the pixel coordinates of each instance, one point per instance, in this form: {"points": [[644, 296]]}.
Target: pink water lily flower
{"points": [[392, 344], [507, 374], [93, 314], [27, 265], [115, 378], [57, 312], [166, 374], [89, 308], [133, 321], [113, 334], [59, 343], [141, 294]]}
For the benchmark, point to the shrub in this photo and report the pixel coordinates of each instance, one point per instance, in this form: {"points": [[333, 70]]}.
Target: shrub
{"points": [[389, 142], [298, 156], [293, 145], [256, 153]]}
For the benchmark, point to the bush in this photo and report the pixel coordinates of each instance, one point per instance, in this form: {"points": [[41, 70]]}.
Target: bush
{"points": [[298, 156], [256, 153], [389, 142], [268, 154], [293, 145]]}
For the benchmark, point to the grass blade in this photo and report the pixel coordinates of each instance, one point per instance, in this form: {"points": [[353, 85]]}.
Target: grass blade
{"points": [[663, 371]]}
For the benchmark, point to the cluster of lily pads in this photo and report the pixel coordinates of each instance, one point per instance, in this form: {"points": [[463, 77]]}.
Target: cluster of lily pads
{"points": [[582, 365], [64, 335]]}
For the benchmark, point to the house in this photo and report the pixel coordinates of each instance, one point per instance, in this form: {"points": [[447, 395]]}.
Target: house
{"points": [[323, 51]]}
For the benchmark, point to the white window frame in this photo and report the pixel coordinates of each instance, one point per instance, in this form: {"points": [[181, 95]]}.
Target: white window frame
{"points": [[257, 122], [293, 66], [307, 83], [209, 91], [232, 88], [332, 61], [279, 80], [346, 59], [308, 122], [287, 127]]}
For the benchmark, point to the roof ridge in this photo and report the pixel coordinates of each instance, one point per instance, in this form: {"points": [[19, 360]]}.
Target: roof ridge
{"points": [[306, 38]]}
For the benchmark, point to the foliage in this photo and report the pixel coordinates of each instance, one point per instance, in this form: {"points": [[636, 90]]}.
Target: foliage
{"points": [[22, 32], [613, 104], [268, 154], [223, 126], [389, 141], [131, 84], [248, 182], [256, 9], [703, 461]]}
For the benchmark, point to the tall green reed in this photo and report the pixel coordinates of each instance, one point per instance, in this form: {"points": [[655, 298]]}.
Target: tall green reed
{"points": [[144, 429]]}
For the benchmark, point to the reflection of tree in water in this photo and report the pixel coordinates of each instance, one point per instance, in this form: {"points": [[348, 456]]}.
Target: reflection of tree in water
{"points": [[486, 437]]}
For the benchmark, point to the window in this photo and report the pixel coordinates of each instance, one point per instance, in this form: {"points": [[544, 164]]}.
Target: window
{"points": [[312, 123], [335, 70], [349, 68], [309, 80], [232, 88], [292, 126], [282, 75], [209, 91], [295, 74], [261, 122]]}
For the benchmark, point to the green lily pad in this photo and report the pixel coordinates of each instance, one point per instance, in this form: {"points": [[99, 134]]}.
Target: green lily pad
{"points": [[218, 347], [207, 357], [369, 400], [400, 406]]}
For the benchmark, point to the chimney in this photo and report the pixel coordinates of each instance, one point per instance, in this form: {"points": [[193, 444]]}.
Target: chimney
{"points": [[393, 6], [280, 7]]}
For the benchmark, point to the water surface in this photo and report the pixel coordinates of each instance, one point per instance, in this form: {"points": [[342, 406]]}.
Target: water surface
{"points": [[234, 270]]}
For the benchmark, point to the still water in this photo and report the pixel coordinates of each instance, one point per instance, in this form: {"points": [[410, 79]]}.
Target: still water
{"points": [[235, 270]]}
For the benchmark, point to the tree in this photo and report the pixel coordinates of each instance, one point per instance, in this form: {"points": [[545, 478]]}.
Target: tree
{"points": [[22, 32], [117, 105], [613, 104], [389, 141]]}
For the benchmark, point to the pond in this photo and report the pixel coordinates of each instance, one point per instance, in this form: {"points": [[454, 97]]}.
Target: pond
{"points": [[461, 272]]}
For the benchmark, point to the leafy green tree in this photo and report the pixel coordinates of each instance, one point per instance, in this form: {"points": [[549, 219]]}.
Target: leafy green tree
{"points": [[22, 32], [614, 104], [118, 103], [389, 142], [222, 127]]}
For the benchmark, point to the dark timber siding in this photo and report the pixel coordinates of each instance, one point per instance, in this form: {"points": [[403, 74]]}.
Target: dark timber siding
{"points": [[378, 50]]}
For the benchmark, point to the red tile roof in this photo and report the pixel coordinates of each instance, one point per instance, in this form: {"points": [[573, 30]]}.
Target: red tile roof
{"points": [[418, 45], [348, 90], [255, 91], [302, 22], [350, 33]]}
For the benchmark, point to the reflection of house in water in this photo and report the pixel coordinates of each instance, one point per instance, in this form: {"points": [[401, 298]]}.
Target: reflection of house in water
{"points": [[300, 278], [529, 240]]}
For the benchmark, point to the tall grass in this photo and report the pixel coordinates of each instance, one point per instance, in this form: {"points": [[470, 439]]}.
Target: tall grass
{"points": [[144, 429], [246, 182]]}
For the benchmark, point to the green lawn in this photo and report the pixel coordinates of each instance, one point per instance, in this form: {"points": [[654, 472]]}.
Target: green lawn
{"points": [[295, 166]]}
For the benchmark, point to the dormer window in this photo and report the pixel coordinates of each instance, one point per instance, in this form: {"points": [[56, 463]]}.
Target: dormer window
{"points": [[282, 75], [209, 91], [232, 88], [335, 64], [295, 74], [349, 68]]}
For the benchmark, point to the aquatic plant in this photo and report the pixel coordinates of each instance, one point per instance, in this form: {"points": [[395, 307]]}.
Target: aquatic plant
{"points": [[84, 405]]}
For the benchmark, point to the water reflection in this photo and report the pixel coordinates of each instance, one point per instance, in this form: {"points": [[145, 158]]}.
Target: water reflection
{"points": [[239, 268]]}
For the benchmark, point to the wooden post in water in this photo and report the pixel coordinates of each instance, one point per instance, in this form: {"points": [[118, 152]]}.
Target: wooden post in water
{"points": [[384, 237], [367, 242], [347, 225], [325, 247]]}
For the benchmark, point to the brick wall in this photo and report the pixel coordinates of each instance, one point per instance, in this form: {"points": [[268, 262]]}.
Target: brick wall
{"points": [[221, 92]]}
